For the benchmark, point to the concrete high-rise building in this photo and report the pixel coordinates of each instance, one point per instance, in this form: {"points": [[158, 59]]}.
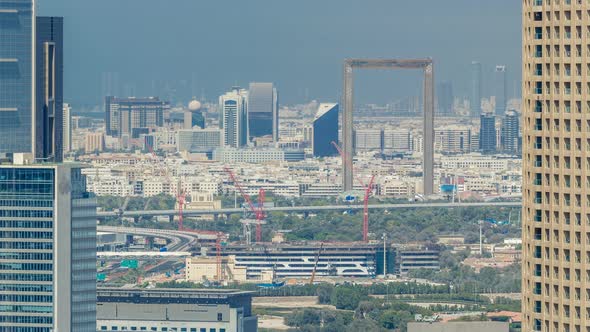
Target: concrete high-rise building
{"points": [[368, 139], [452, 139], [94, 142], [487, 133], [510, 132], [67, 128], [263, 111], [325, 131], [500, 89], [556, 189], [133, 116], [48, 226], [476, 89], [199, 140], [234, 117], [49, 89], [397, 140], [445, 99]]}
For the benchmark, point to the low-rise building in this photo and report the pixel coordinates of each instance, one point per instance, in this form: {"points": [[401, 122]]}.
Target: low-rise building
{"points": [[410, 259], [458, 327], [188, 310]]}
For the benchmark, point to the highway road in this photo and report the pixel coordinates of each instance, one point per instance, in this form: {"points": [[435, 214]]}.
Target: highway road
{"points": [[180, 241], [305, 209]]}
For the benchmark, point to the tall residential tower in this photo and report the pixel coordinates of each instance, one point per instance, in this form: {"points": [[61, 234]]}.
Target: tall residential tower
{"points": [[234, 117], [556, 182]]}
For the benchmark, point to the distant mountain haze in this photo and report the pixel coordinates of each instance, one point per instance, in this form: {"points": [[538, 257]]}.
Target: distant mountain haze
{"points": [[182, 48]]}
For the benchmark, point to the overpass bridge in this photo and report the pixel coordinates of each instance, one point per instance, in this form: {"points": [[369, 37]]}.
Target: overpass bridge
{"points": [[179, 240], [302, 209]]}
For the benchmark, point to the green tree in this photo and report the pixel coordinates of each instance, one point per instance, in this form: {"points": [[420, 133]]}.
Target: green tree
{"points": [[324, 293], [346, 298]]}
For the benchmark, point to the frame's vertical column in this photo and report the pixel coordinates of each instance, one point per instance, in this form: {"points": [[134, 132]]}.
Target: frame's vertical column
{"points": [[347, 124], [428, 158]]}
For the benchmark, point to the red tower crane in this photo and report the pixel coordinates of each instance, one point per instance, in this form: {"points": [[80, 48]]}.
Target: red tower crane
{"points": [[368, 191], [258, 212]]}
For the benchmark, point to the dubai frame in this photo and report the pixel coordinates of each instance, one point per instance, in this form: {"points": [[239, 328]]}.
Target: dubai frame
{"points": [[347, 118]]}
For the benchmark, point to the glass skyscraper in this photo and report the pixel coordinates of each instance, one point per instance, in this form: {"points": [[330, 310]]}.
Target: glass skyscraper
{"points": [[325, 131], [47, 250], [17, 71], [487, 133], [31, 81], [49, 89], [263, 111]]}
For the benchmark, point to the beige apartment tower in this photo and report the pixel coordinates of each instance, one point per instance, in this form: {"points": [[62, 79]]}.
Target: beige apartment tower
{"points": [[556, 160]]}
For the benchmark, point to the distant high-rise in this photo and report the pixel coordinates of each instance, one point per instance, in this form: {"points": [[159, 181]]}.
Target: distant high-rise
{"points": [[17, 76], [510, 132], [67, 128], [263, 111], [368, 139], [555, 163], [193, 117], [445, 99], [48, 227], [476, 89], [49, 89], [132, 116], [487, 133], [199, 140], [110, 84], [500, 88], [325, 131], [234, 111]]}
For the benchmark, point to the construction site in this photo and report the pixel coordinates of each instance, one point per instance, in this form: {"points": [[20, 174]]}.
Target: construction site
{"points": [[212, 257]]}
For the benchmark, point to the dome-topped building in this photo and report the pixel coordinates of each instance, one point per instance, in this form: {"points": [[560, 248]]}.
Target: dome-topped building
{"points": [[194, 117], [194, 105]]}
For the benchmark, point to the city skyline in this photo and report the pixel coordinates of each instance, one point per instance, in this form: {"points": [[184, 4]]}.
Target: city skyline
{"points": [[143, 144], [312, 71]]}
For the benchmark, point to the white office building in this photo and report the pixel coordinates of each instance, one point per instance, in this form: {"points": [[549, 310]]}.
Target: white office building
{"points": [[234, 117]]}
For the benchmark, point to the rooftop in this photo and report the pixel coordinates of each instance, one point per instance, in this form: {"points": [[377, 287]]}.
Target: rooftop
{"points": [[176, 293]]}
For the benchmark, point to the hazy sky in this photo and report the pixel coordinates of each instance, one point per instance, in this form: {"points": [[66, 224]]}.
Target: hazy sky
{"points": [[297, 44]]}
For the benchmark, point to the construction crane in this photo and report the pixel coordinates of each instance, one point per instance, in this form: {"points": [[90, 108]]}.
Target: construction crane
{"points": [[368, 192], [257, 211], [315, 265]]}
